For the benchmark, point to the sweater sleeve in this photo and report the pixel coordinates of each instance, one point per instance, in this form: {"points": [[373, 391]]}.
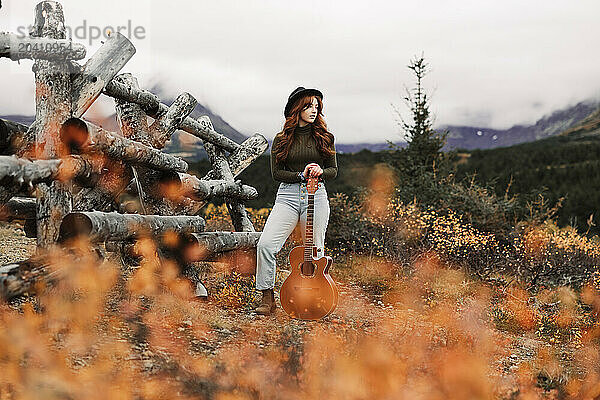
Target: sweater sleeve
{"points": [[278, 171], [330, 168]]}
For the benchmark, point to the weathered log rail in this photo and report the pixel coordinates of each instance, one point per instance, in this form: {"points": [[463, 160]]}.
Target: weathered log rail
{"points": [[151, 104], [199, 245], [94, 75], [22, 277], [18, 208], [99, 226], [94, 138], [82, 174], [18, 48], [23, 171], [198, 189]]}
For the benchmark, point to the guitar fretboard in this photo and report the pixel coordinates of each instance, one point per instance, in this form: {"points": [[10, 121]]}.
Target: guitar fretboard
{"points": [[310, 212]]}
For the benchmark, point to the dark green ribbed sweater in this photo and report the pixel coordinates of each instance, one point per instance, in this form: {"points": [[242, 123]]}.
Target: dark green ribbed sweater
{"points": [[303, 151]]}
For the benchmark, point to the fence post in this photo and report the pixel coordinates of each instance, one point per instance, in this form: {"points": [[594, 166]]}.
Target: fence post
{"points": [[53, 107]]}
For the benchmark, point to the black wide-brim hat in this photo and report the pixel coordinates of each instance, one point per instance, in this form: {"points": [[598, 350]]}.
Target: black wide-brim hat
{"points": [[298, 93]]}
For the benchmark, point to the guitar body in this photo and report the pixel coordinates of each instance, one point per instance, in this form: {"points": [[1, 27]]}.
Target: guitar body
{"points": [[308, 296]]}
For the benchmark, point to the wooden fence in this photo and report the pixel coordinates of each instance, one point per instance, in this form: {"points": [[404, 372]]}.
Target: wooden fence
{"points": [[66, 177]]}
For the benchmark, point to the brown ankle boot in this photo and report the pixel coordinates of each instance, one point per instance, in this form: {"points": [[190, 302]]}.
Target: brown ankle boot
{"points": [[267, 304]]}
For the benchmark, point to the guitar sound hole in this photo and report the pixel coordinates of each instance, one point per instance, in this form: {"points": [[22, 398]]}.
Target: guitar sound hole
{"points": [[307, 268]]}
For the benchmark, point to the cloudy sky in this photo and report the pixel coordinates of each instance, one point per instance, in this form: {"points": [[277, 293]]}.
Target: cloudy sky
{"points": [[493, 63]]}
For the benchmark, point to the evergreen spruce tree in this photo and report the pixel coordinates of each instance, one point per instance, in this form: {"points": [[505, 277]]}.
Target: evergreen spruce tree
{"points": [[421, 164], [426, 174]]}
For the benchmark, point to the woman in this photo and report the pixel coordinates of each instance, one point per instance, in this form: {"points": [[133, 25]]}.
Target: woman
{"points": [[303, 149]]}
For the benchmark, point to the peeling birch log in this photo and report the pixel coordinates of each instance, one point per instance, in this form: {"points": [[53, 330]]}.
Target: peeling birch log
{"points": [[130, 115], [83, 170], [17, 172], [194, 188], [244, 155], [151, 104], [134, 126], [166, 196], [187, 206], [52, 108], [18, 208], [148, 101], [99, 226], [100, 69], [12, 137], [24, 277], [192, 126], [49, 21], [53, 83], [164, 126], [205, 244], [237, 210], [40, 48], [54, 201], [33, 275], [83, 134], [238, 248]]}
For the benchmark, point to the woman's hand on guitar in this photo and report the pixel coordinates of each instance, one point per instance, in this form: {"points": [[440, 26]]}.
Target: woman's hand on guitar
{"points": [[312, 170], [308, 170]]}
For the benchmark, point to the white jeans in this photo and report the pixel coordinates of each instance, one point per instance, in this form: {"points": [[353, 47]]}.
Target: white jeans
{"points": [[290, 207]]}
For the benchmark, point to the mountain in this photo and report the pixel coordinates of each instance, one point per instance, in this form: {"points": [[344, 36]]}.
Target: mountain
{"points": [[472, 137], [566, 165], [468, 137], [356, 147], [588, 127], [181, 144], [459, 137], [22, 119]]}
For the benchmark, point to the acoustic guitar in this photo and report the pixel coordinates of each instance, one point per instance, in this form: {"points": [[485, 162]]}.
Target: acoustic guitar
{"points": [[309, 292]]}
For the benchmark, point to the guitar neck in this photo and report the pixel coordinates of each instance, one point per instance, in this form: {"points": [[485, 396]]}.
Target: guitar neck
{"points": [[310, 213]]}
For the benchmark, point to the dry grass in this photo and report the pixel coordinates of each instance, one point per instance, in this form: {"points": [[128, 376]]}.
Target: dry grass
{"points": [[109, 331]]}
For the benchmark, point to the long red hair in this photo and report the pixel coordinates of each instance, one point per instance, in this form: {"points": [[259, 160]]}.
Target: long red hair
{"points": [[323, 138]]}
